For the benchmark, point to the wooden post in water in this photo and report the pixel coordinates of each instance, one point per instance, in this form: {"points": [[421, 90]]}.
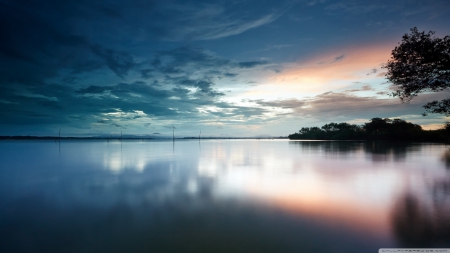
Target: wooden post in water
{"points": [[120, 135]]}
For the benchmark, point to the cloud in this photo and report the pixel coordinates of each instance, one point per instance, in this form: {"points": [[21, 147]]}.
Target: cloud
{"points": [[146, 73], [118, 125], [404, 9], [119, 62], [338, 58], [354, 7], [172, 61], [97, 65], [308, 77], [215, 21], [251, 64], [97, 56], [335, 105], [372, 71], [230, 74], [366, 88], [363, 88], [381, 74], [285, 104]]}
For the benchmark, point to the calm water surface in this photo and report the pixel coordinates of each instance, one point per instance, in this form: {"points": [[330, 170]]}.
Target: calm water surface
{"points": [[222, 196]]}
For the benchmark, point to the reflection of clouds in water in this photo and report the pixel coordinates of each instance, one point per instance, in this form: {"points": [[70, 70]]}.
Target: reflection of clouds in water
{"points": [[116, 159], [208, 168], [354, 190], [359, 201], [147, 197], [134, 155], [116, 163], [219, 157], [179, 224]]}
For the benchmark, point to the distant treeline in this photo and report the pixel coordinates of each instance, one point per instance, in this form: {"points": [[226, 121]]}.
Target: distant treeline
{"points": [[376, 129]]}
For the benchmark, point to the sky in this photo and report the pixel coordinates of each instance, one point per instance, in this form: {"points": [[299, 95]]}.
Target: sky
{"points": [[225, 68]]}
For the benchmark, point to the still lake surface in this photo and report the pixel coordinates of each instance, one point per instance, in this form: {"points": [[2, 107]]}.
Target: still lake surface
{"points": [[222, 196]]}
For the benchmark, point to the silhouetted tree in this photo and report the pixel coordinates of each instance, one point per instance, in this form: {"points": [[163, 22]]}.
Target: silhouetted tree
{"points": [[376, 129], [421, 63], [376, 126]]}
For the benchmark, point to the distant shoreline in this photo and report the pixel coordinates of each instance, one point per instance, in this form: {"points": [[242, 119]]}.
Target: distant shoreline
{"points": [[133, 138]]}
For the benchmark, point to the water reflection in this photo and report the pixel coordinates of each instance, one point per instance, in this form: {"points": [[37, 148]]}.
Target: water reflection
{"points": [[341, 147], [225, 196], [446, 158], [379, 151], [417, 224]]}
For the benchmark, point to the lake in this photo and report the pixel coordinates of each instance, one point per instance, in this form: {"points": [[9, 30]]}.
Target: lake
{"points": [[222, 196]]}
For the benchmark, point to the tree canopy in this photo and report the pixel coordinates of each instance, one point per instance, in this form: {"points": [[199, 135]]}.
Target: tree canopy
{"points": [[421, 63], [375, 129]]}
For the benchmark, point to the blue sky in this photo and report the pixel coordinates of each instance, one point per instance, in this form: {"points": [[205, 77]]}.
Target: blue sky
{"points": [[227, 68]]}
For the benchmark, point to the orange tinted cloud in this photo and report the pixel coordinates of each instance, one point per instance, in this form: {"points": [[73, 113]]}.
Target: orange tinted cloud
{"points": [[329, 71]]}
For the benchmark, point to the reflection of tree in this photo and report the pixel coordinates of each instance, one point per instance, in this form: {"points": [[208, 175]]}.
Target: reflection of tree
{"points": [[329, 146], [398, 150], [381, 149], [417, 225], [446, 158]]}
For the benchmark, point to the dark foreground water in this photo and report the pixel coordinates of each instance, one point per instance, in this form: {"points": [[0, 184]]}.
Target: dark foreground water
{"points": [[222, 196]]}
